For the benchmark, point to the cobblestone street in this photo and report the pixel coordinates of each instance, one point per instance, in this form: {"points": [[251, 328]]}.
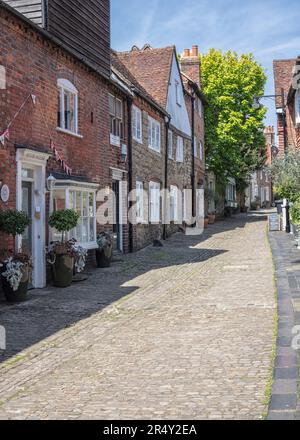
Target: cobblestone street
{"points": [[182, 332]]}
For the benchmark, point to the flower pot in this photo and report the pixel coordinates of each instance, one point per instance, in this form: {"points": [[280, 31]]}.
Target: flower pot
{"points": [[104, 257], [206, 223], [62, 270], [211, 219], [19, 295]]}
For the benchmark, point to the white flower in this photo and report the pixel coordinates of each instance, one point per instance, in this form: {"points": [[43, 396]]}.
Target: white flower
{"points": [[13, 273]]}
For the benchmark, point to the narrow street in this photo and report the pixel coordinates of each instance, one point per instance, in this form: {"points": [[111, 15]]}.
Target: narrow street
{"points": [[182, 332]]}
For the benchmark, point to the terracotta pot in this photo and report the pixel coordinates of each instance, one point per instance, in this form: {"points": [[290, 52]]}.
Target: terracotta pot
{"points": [[206, 223], [211, 219]]}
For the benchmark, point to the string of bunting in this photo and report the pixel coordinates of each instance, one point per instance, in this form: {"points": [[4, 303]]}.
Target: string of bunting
{"points": [[5, 135]]}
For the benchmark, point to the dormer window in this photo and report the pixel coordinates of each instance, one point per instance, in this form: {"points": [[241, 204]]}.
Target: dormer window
{"points": [[297, 107], [67, 116]]}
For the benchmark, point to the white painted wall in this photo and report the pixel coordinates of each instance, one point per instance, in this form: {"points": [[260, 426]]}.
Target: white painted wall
{"points": [[180, 117]]}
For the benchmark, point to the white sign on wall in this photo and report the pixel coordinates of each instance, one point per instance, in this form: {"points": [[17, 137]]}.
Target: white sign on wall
{"points": [[4, 193]]}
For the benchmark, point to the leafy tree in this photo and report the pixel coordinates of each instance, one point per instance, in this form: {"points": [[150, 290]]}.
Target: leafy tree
{"points": [[285, 173], [234, 129]]}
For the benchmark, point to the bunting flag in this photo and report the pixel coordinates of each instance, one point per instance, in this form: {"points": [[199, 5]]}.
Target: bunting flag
{"points": [[60, 159], [4, 136]]}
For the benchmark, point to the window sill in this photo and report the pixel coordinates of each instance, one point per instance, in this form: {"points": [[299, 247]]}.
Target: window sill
{"points": [[155, 151], [71, 133], [139, 141], [88, 246]]}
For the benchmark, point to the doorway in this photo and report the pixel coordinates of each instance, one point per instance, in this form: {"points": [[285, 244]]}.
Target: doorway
{"points": [[31, 182]]}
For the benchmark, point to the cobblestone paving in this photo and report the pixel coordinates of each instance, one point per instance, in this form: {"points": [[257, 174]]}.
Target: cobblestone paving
{"points": [[183, 332]]}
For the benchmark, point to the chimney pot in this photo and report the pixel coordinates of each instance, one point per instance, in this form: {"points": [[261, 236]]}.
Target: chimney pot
{"points": [[186, 53], [195, 51]]}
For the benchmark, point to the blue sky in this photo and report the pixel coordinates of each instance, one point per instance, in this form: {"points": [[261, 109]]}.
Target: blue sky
{"points": [[269, 29]]}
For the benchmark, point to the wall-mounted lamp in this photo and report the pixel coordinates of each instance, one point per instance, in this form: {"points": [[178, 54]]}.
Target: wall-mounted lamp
{"points": [[51, 182]]}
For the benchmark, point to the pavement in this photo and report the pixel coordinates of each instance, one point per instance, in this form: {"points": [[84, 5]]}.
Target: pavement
{"points": [[285, 401], [182, 332]]}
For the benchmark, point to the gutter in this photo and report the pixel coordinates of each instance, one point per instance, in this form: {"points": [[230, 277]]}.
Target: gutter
{"points": [[130, 168], [167, 125]]}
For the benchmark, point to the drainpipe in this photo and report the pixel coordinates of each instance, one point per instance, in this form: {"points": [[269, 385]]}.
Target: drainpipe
{"points": [[193, 159], [167, 125], [130, 165]]}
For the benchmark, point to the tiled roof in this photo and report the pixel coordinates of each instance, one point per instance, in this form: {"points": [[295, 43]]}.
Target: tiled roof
{"points": [[127, 76], [151, 68]]}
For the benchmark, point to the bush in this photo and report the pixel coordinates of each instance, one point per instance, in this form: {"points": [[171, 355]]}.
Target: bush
{"points": [[14, 222], [64, 221], [295, 211]]}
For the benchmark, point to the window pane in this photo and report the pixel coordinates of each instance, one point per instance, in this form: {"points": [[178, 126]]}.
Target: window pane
{"points": [[92, 230], [59, 115], [85, 230], [119, 109]]}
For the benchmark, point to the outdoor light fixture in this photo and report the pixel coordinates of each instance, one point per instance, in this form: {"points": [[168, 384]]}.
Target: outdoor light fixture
{"points": [[51, 182]]}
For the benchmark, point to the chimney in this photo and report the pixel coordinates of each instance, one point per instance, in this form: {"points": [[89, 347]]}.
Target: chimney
{"points": [[190, 64], [195, 51]]}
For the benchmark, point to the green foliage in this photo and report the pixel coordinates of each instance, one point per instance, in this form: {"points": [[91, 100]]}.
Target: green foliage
{"points": [[285, 173], [295, 211], [14, 222], [234, 129], [64, 221]]}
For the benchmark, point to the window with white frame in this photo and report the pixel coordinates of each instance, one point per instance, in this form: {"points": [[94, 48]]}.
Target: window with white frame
{"points": [[180, 149], [139, 202], [67, 115], [154, 202], [195, 147], [170, 144], [174, 196], [201, 151], [137, 124], [178, 92], [154, 134], [297, 107], [84, 203], [116, 117]]}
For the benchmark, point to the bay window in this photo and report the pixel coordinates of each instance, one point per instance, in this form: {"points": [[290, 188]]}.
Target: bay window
{"points": [[83, 201]]}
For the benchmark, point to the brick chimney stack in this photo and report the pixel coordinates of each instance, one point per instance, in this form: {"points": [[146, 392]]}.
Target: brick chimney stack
{"points": [[190, 64], [269, 133]]}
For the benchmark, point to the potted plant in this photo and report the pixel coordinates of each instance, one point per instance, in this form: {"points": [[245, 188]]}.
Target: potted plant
{"points": [[212, 218], [62, 254], [206, 222], [105, 249], [15, 267]]}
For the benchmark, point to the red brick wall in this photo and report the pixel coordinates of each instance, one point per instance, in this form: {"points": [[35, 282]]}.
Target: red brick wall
{"points": [[283, 74], [33, 65]]}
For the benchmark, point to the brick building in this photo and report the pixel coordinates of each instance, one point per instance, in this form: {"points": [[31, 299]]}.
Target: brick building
{"points": [[260, 191], [287, 78], [56, 105], [176, 162], [77, 118]]}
